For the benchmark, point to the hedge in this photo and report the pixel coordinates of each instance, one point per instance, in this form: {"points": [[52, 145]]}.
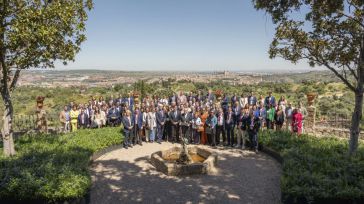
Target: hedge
{"points": [[52, 168], [317, 170]]}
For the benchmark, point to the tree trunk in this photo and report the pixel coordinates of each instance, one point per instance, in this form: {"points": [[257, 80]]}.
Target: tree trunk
{"points": [[358, 110], [355, 123], [7, 130]]}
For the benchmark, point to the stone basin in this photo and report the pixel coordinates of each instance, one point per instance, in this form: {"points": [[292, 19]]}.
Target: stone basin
{"points": [[203, 161]]}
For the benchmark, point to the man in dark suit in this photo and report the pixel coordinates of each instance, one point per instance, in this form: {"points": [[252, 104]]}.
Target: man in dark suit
{"points": [[199, 97], [128, 124], [225, 103], [119, 99], [138, 126], [161, 119], [220, 127], [253, 126], [186, 119], [234, 99], [229, 127], [270, 100], [175, 117], [83, 120]]}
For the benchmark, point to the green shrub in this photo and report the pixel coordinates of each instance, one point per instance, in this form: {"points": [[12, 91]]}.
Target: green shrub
{"points": [[51, 167], [317, 169]]}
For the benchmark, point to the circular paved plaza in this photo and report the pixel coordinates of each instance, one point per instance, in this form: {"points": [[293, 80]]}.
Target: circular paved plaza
{"points": [[126, 176]]}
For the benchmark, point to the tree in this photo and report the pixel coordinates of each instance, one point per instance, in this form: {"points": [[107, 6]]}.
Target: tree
{"points": [[34, 34], [327, 33]]}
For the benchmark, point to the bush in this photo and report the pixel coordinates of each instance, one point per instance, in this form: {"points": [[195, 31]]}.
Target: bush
{"points": [[53, 168], [317, 169]]}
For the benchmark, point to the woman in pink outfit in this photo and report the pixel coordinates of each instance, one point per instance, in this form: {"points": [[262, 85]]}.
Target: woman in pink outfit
{"points": [[297, 118]]}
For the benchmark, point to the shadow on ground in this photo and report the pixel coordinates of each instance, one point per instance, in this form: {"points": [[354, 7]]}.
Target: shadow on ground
{"points": [[243, 177]]}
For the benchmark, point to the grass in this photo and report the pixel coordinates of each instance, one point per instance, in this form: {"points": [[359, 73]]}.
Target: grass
{"points": [[53, 167], [317, 169]]}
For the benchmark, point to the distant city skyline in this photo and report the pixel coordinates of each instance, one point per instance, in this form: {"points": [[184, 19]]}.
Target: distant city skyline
{"points": [[178, 35]]}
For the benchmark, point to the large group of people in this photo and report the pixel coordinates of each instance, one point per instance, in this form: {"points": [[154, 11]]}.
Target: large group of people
{"points": [[212, 118]]}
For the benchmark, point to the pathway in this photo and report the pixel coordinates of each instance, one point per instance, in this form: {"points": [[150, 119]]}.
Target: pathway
{"points": [[126, 176]]}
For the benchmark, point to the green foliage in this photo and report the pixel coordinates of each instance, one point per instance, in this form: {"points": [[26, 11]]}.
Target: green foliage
{"points": [[53, 167], [317, 168]]}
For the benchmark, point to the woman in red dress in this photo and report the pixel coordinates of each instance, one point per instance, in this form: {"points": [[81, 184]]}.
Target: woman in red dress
{"points": [[297, 118]]}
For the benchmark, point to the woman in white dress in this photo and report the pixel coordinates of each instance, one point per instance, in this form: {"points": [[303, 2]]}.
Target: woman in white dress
{"points": [[151, 124]]}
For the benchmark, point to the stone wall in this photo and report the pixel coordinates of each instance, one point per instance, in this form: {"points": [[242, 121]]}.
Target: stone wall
{"points": [[329, 131]]}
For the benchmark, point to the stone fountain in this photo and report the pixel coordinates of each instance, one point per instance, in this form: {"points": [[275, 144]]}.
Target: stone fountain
{"points": [[184, 160]]}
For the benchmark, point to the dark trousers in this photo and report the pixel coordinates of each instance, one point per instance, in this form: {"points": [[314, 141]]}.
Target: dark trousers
{"points": [[253, 137], [126, 137], [186, 132], [211, 138], [160, 130], [270, 124], [175, 133], [196, 136], [230, 134], [167, 131], [220, 130], [136, 135]]}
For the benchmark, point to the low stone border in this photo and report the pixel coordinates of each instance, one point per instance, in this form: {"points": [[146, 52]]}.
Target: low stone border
{"points": [[272, 153], [100, 153]]}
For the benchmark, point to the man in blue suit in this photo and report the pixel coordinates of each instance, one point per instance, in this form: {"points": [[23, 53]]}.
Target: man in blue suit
{"points": [[252, 100], [161, 120], [113, 116], [270, 100], [138, 126], [128, 124], [129, 101]]}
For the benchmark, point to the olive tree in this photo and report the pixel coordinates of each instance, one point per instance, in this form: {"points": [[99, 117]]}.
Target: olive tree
{"points": [[35, 34], [328, 33]]}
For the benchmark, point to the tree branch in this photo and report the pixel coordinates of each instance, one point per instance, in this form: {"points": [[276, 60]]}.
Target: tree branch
{"points": [[352, 71], [15, 79], [345, 80], [351, 18]]}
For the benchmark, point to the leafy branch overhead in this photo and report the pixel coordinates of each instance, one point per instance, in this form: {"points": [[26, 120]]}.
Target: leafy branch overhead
{"points": [[36, 33], [329, 33]]}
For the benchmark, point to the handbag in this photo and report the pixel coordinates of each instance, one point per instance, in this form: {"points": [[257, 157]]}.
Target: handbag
{"points": [[200, 129]]}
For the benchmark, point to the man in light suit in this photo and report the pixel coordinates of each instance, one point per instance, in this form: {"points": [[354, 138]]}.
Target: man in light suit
{"points": [[138, 126], [210, 96], [186, 119]]}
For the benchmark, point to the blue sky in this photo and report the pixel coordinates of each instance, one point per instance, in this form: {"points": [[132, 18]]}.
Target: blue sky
{"points": [[178, 35]]}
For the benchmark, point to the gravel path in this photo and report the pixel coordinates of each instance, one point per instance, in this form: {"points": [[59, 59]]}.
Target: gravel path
{"points": [[126, 176]]}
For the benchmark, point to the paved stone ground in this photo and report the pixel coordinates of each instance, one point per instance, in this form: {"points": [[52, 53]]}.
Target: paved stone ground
{"points": [[126, 176]]}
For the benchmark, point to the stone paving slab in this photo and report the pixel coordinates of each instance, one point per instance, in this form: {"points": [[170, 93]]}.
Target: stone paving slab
{"points": [[126, 176]]}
